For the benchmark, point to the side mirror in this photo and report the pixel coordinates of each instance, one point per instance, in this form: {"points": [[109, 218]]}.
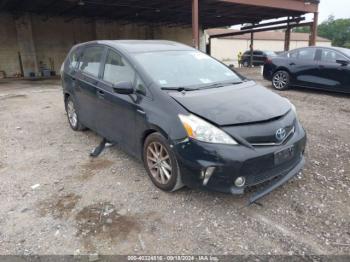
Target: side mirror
{"points": [[343, 62], [124, 88]]}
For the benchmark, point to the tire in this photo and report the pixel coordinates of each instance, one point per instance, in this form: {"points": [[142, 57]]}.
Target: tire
{"points": [[161, 164], [245, 63], [281, 80], [72, 115]]}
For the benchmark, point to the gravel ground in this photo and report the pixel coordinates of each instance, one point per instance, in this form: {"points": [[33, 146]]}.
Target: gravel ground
{"points": [[55, 200]]}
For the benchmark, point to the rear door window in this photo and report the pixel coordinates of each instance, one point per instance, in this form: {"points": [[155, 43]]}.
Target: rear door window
{"points": [[307, 54], [117, 69], [91, 60], [293, 54]]}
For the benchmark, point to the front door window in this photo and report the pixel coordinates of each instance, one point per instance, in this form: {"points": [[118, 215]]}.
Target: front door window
{"points": [[117, 69]]}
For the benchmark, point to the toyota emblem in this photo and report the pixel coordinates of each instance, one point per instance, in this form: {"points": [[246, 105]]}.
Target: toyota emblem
{"points": [[281, 134]]}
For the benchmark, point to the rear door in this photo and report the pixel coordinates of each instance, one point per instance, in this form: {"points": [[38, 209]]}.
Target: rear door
{"points": [[336, 77], [70, 71], [116, 112], [303, 65], [87, 79]]}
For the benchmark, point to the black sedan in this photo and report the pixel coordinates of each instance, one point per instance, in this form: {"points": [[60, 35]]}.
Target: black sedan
{"points": [[312, 67], [259, 57], [189, 118]]}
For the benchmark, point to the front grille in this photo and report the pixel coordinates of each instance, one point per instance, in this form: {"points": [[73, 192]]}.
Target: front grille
{"points": [[264, 133], [261, 169]]}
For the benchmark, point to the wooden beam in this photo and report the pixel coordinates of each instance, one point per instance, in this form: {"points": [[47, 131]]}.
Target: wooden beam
{"points": [[251, 49], [195, 23], [314, 27], [295, 20], [293, 5], [260, 30]]}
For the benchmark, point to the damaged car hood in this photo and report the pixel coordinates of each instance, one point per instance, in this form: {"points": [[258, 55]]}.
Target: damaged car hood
{"points": [[234, 104]]}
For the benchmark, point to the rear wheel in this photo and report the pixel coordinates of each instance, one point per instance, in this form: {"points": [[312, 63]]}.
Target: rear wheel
{"points": [[72, 115], [245, 63], [161, 164], [281, 80]]}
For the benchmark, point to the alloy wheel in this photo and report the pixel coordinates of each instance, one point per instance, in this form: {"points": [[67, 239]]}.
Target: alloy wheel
{"points": [[72, 114], [159, 163], [280, 80]]}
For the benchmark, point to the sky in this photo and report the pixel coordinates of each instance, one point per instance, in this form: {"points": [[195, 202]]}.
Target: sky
{"points": [[338, 8]]}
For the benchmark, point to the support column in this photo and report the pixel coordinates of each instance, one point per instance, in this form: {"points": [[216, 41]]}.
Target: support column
{"points": [[314, 28], [287, 38], [251, 49], [26, 45], [195, 23]]}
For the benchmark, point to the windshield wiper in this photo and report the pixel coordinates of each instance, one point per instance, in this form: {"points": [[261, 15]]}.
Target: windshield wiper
{"points": [[217, 85], [179, 89]]}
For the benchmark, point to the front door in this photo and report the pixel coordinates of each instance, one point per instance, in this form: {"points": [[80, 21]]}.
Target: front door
{"points": [[116, 112], [336, 77]]}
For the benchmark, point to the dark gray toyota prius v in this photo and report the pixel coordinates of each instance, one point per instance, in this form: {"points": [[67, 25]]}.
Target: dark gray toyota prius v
{"points": [[189, 118]]}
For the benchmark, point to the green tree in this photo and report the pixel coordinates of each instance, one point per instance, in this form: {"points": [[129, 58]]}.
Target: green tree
{"points": [[337, 30], [304, 29]]}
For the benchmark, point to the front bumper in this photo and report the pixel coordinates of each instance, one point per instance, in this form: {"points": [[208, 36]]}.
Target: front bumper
{"points": [[255, 164], [268, 71]]}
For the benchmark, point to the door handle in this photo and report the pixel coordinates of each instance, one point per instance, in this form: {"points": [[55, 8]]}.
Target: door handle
{"points": [[292, 64], [100, 93], [140, 111]]}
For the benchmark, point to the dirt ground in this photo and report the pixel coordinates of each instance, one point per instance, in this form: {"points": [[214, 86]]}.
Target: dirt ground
{"points": [[56, 200]]}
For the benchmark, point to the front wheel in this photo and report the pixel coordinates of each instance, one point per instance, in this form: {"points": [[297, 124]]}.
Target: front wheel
{"points": [[161, 164], [281, 80]]}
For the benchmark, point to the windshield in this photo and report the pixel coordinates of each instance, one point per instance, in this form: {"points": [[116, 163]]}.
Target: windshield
{"points": [[345, 51], [185, 69]]}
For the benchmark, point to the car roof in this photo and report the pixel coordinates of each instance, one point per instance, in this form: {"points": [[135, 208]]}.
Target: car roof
{"points": [[342, 50], [258, 50], [142, 46]]}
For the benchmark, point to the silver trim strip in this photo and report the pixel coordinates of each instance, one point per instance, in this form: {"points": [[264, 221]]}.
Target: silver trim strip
{"points": [[276, 144]]}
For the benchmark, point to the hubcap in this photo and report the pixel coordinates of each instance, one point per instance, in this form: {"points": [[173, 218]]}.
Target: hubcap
{"points": [[72, 115], [158, 162], [280, 80]]}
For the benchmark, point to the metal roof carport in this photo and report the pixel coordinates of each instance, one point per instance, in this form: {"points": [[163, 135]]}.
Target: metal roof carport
{"points": [[200, 14]]}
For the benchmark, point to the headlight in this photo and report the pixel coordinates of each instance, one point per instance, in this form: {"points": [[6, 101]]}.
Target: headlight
{"points": [[293, 107], [201, 130]]}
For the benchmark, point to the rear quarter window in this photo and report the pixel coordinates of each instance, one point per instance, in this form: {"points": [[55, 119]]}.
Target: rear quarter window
{"points": [[73, 59]]}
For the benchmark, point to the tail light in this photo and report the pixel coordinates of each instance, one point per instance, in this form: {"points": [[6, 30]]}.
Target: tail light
{"points": [[268, 60]]}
